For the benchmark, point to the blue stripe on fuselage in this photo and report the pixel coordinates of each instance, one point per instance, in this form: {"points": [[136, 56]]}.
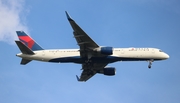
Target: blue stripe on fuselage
{"points": [[108, 59]]}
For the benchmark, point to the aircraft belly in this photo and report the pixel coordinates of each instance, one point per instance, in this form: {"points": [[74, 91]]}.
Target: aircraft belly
{"points": [[78, 59], [108, 59]]}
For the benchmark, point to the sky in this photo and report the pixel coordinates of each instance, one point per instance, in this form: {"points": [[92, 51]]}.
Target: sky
{"points": [[117, 23]]}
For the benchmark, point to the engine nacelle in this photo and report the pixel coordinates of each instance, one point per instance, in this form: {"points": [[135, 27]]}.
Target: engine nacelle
{"points": [[109, 71], [104, 50]]}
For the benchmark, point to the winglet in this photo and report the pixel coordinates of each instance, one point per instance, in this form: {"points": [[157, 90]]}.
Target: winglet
{"points": [[68, 16], [77, 78]]}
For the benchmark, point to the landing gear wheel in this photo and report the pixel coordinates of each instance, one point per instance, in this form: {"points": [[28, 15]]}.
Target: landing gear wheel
{"points": [[149, 66]]}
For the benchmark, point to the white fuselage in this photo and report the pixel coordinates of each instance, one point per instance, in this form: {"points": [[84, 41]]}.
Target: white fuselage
{"points": [[119, 54]]}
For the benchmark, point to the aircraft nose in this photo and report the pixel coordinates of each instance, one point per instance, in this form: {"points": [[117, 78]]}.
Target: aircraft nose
{"points": [[166, 56]]}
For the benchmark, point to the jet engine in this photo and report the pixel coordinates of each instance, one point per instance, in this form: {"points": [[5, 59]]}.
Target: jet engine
{"points": [[104, 50], [109, 71]]}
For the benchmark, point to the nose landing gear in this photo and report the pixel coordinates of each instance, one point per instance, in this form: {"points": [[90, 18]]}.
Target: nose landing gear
{"points": [[150, 63]]}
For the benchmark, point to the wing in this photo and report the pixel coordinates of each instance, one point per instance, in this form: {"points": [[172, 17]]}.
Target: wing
{"points": [[90, 70], [85, 43]]}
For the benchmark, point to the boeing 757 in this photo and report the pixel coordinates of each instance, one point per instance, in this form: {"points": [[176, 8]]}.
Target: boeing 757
{"points": [[92, 57]]}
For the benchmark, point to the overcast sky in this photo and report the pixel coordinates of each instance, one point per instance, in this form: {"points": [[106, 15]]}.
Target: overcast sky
{"points": [[116, 23]]}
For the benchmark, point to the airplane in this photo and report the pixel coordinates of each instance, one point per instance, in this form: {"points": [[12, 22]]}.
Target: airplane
{"points": [[92, 57]]}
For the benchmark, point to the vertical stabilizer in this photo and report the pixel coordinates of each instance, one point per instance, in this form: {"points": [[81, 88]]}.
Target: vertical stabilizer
{"points": [[28, 41]]}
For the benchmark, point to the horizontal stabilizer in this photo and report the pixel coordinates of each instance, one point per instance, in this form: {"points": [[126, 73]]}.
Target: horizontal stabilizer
{"points": [[24, 49], [25, 61]]}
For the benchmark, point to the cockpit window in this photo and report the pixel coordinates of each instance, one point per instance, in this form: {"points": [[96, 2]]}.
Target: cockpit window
{"points": [[160, 51]]}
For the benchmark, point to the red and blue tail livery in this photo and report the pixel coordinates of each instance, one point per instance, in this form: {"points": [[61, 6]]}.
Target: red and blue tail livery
{"points": [[28, 41]]}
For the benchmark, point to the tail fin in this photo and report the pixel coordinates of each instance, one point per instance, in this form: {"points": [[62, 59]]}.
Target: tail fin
{"points": [[28, 41]]}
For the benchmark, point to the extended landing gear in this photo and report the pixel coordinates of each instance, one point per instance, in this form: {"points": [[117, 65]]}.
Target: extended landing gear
{"points": [[88, 62], [150, 63], [88, 67]]}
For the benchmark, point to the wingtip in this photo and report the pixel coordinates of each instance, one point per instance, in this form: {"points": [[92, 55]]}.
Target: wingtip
{"points": [[77, 78], [68, 16]]}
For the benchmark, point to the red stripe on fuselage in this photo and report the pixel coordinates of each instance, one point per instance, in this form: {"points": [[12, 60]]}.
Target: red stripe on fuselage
{"points": [[28, 40]]}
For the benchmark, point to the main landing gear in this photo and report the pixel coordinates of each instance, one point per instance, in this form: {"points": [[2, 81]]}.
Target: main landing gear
{"points": [[88, 62], [89, 65], [150, 63]]}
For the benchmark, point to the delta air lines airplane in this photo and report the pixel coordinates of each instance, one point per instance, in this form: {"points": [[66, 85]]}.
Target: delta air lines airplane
{"points": [[93, 58]]}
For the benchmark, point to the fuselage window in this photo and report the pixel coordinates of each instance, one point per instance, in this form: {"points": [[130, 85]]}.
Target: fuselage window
{"points": [[160, 51]]}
